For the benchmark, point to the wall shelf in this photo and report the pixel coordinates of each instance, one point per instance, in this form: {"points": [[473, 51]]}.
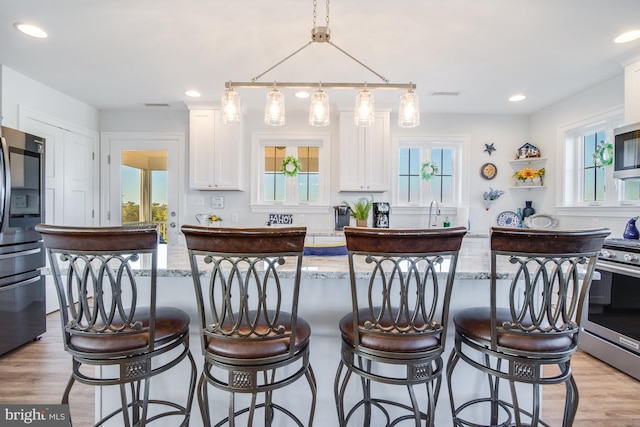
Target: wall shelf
{"points": [[518, 163]]}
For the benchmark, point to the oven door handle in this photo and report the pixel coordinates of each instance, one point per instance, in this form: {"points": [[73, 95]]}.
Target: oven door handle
{"points": [[618, 268]]}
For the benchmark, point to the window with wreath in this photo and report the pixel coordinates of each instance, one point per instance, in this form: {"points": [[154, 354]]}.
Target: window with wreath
{"points": [[588, 179], [291, 170], [426, 171]]}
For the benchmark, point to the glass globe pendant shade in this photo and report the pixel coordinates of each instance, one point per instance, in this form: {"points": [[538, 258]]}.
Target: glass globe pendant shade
{"points": [[230, 107], [274, 109], [319, 113], [409, 112], [365, 110]]}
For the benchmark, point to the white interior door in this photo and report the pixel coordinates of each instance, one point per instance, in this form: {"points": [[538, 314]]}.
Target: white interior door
{"points": [[71, 172], [114, 144]]}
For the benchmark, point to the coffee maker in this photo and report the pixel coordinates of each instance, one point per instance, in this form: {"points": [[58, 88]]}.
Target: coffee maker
{"points": [[343, 216], [381, 215]]}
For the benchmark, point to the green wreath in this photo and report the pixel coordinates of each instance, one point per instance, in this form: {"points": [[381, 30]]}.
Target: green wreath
{"points": [[603, 155], [290, 166], [428, 169]]}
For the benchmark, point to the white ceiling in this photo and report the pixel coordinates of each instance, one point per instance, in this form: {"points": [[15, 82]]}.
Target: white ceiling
{"points": [[125, 53]]}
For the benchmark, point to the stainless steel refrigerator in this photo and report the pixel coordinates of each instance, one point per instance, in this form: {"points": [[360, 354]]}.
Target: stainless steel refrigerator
{"points": [[22, 287]]}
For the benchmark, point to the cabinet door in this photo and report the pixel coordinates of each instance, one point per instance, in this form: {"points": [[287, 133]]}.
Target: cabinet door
{"points": [[201, 151], [215, 151], [364, 154], [227, 155], [377, 154], [632, 93]]}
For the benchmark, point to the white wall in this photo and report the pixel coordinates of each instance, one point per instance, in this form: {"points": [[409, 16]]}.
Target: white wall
{"points": [[18, 91], [545, 124]]}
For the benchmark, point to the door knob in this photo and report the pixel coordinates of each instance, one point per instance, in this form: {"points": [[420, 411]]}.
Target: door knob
{"points": [[172, 224]]}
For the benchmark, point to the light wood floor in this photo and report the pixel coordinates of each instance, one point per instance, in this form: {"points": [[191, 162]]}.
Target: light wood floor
{"points": [[37, 373]]}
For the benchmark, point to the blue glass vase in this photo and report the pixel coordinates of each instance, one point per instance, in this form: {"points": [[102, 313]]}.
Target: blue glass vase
{"points": [[630, 230]]}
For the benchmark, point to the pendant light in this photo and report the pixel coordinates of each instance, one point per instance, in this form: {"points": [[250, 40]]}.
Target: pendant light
{"points": [[409, 111], [319, 112], [274, 109], [365, 110], [230, 106]]}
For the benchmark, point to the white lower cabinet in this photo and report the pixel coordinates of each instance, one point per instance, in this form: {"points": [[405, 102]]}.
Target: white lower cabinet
{"points": [[364, 154], [215, 151]]}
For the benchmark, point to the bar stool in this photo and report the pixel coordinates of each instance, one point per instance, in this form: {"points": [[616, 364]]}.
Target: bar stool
{"points": [[401, 283], [111, 326], [253, 340], [532, 324]]}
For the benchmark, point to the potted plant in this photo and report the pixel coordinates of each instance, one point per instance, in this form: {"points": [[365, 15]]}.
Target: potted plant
{"points": [[360, 210]]}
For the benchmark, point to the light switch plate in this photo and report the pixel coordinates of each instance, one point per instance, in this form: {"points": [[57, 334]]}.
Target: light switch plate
{"points": [[217, 202]]}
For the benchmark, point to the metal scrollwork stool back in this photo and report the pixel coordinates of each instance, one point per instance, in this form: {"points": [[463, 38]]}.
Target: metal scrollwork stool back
{"points": [[530, 329], [253, 340], [401, 282], [111, 322]]}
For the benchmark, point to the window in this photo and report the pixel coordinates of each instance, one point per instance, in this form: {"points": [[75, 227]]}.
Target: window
{"points": [[593, 177], [308, 188], [306, 180], [412, 190], [585, 184]]}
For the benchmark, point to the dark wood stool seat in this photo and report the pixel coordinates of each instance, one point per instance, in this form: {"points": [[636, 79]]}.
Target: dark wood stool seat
{"points": [[393, 341], [170, 324], [531, 322], [401, 282], [271, 348], [112, 327]]}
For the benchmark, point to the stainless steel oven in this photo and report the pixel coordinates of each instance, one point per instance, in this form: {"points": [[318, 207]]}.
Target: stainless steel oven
{"points": [[611, 321]]}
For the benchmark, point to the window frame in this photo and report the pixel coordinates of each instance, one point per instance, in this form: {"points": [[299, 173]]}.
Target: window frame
{"points": [[260, 140], [571, 166], [460, 146]]}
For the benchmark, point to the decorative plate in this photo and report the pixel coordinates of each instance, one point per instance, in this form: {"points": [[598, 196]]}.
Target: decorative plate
{"points": [[488, 171], [508, 219], [541, 221]]}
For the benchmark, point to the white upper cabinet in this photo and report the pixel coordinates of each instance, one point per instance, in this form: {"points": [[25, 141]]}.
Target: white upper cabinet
{"points": [[215, 151], [632, 93], [364, 154]]}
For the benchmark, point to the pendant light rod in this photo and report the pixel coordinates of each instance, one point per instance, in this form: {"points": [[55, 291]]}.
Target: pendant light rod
{"points": [[283, 60], [314, 85], [384, 79]]}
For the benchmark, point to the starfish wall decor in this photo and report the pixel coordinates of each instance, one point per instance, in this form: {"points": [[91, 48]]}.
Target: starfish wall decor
{"points": [[489, 148]]}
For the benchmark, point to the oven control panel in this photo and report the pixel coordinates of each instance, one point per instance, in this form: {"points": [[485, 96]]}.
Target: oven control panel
{"points": [[620, 256]]}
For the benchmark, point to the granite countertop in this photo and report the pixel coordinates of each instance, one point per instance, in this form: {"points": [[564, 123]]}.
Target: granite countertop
{"points": [[473, 263]]}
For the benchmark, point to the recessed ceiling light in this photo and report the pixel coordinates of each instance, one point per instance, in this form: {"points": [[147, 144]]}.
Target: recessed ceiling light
{"points": [[31, 30], [516, 98], [193, 93], [302, 94], [627, 37]]}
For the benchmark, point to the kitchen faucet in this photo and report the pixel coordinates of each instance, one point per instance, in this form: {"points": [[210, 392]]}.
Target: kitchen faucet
{"points": [[435, 219]]}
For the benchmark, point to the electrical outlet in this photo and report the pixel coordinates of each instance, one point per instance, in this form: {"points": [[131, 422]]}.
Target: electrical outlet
{"points": [[301, 218], [195, 201], [234, 217]]}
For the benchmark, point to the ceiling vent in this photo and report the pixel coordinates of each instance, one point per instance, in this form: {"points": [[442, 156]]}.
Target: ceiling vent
{"points": [[445, 93], [152, 105]]}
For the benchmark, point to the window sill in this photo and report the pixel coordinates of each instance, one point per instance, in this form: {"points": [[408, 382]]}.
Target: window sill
{"points": [[615, 211]]}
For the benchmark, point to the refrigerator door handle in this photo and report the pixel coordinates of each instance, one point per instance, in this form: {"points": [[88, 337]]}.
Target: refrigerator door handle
{"points": [[20, 253], [21, 283], [5, 185]]}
